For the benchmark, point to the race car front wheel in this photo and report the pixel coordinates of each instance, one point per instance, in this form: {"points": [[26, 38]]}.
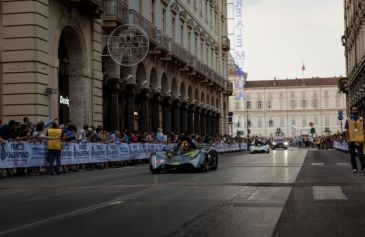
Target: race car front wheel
{"points": [[154, 171]]}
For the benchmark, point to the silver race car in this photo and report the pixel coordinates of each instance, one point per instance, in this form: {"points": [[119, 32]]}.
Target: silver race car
{"points": [[185, 156], [259, 147]]}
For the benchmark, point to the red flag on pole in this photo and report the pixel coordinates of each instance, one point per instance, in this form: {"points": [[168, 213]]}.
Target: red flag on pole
{"points": [[303, 67]]}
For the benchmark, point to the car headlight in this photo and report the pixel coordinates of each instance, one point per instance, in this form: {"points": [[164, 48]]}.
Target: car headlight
{"points": [[285, 143], [274, 143]]}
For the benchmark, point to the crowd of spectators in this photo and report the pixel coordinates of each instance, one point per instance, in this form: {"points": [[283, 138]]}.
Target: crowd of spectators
{"points": [[28, 131]]}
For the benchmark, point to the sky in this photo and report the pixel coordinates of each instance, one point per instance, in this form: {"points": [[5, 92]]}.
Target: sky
{"points": [[279, 35]]}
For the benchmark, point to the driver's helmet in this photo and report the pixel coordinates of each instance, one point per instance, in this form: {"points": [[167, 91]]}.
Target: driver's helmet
{"points": [[185, 144]]}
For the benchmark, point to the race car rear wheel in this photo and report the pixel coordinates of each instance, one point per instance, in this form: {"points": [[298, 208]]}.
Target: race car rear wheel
{"points": [[154, 171]]}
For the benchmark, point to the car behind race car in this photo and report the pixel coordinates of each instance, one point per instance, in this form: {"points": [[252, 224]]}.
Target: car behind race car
{"points": [[203, 159], [259, 147], [279, 143]]}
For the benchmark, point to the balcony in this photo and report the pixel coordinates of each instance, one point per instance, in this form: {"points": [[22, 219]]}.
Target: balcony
{"points": [[178, 52], [92, 7], [115, 13], [226, 43], [163, 40], [137, 19]]}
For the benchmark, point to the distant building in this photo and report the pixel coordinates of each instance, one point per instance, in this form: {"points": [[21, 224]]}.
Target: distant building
{"points": [[288, 106], [354, 42]]}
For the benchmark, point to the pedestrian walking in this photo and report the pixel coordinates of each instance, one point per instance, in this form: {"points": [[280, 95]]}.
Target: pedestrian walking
{"points": [[54, 147], [355, 135]]}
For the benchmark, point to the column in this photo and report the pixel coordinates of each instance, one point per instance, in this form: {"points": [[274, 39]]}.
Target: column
{"points": [[207, 124], [129, 106], [113, 98], [191, 119], [197, 120], [166, 114], [212, 124], [184, 118], [156, 111], [176, 116], [143, 111], [217, 123], [202, 122]]}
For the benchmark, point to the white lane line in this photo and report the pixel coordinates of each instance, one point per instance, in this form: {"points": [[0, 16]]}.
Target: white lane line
{"points": [[317, 164], [63, 216], [343, 164], [328, 193]]}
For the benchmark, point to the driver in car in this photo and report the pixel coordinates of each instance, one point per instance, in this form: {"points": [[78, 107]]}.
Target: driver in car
{"points": [[184, 147]]}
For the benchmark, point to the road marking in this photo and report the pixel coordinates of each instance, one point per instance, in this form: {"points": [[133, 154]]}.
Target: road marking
{"points": [[317, 164], [63, 216], [343, 164], [328, 193]]}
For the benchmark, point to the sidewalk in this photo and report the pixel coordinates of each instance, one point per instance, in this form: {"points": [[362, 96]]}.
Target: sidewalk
{"points": [[327, 199]]}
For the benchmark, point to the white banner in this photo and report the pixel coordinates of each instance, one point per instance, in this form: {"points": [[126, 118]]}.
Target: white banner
{"points": [[38, 153], [144, 151], [98, 152], [14, 154], [82, 153], [135, 150], [112, 152], [34, 154], [124, 152]]}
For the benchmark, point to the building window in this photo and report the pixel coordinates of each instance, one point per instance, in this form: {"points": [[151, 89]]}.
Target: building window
{"points": [[153, 10], [314, 103], [293, 104], [206, 10], [140, 6], [338, 101], [202, 51], [173, 28], [271, 123], [268, 104], [182, 35], [259, 123], [259, 104], [304, 121], [326, 99], [315, 121], [293, 121], [189, 40], [248, 104], [196, 46], [238, 105], [281, 100], [249, 124], [164, 20], [303, 104]]}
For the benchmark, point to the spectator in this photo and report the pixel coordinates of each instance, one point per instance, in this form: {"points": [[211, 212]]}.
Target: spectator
{"points": [[54, 148], [8, 131]]}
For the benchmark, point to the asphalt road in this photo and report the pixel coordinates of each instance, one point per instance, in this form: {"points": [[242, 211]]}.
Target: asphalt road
{"points": [[284, 193]]}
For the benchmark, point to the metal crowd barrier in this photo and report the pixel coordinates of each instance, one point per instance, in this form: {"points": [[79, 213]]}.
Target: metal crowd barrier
{"points": [[15, 154]]}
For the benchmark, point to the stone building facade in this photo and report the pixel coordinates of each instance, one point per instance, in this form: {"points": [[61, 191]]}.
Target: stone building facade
{"points": [[55, 63], [289, 105], [354, 42]]}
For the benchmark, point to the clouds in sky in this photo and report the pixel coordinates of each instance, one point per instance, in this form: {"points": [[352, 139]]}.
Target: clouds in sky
{"points": [[280, 34]]}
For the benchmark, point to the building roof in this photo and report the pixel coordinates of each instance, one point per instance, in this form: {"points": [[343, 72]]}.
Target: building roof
{"points": [[293, 82]]}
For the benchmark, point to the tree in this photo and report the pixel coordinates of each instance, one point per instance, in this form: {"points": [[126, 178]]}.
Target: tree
{"points": [[312, 131], [279, 132]]}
